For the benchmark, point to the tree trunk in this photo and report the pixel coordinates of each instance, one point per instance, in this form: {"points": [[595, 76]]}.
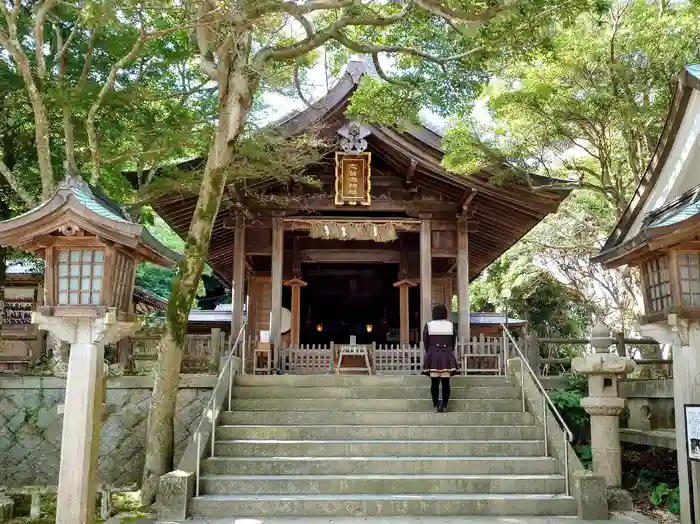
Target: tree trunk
{"points": [[159, 448]]}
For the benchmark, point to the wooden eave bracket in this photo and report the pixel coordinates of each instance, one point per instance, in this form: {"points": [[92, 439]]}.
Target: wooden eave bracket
{"points": [[405, 282], [295, 282], [465, 205], [410, 174]]}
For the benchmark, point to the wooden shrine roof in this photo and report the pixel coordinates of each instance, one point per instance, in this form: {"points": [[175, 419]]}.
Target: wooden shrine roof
{"points": [[688, 82], [77, 204], [503, 213]]}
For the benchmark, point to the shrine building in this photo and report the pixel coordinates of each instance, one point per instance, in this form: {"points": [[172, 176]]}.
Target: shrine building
{"points": [[388, 233]]}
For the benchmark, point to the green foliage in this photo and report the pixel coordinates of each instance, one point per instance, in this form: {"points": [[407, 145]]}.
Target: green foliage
{"points": [[550, 307], [587, 106], [585, 455], [568, 403], [380, 103], [662, 494]]}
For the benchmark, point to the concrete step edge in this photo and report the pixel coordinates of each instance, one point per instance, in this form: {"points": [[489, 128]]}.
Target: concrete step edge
{"points": [[384, 476], [376, 426], [407, 496], [377, 458], [352, 441]]}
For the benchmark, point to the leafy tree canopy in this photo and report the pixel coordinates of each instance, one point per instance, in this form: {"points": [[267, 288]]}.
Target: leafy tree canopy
{"points": [[588, 108]]}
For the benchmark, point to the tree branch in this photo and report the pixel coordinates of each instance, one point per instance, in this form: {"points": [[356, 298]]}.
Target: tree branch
{"points": [[63, 48], [316, 39], [375, 49], [68, 134], [16, 185], [41, 122], [95, 107], [452, 15], [385, 77], [39, 36]]}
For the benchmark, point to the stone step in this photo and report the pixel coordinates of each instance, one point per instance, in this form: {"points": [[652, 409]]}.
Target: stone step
{"points": [[346, 465], [382, 392], [376, 418], [355, 405], [335, 448], [413, 432], [240, 506], [385, 483], [315, 381]]}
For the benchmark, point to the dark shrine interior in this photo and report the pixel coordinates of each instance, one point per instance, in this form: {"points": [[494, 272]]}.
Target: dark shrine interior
{"points": [[342, 300]]}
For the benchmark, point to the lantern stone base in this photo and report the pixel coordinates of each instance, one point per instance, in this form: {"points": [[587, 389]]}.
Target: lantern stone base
{"points": [[77, 482], [619, 500], [175, 490], [590, 494]]}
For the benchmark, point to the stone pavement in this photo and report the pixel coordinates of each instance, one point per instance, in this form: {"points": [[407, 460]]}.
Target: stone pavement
{"points": [[616, 518]]}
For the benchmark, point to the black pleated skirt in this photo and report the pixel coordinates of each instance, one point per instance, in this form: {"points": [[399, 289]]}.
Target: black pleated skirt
{"points": [[440, 360]]}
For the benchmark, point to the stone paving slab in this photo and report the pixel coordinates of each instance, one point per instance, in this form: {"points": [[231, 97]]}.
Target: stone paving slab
{"points": [[616, 518]]}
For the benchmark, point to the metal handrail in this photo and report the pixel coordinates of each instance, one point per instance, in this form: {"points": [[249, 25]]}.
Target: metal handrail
{"points": [[211, 409], [568, 435]]}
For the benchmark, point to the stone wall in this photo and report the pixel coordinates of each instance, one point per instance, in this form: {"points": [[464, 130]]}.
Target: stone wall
{"points": [[30, 426]]}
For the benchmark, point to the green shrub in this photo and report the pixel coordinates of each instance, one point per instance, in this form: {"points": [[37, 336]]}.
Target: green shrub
{"points": [[662, 495]]}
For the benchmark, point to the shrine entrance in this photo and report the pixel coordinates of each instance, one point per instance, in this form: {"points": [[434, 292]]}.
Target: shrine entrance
{"points": [[343, 301]]}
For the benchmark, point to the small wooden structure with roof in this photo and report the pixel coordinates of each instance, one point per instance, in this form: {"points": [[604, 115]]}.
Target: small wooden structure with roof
{"points": [[386, 212], [659, 233], [90, 246]]}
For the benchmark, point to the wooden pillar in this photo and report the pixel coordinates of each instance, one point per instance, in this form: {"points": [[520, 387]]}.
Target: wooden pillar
{"points": [[276, 307], [463, 328], [686, 368], [426, 272], [404, 286], [238, 289], [296, 284]]}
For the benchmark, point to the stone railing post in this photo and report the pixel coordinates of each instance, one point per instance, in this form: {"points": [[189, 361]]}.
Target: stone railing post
{"points": [[532, 352], [604, 406]]}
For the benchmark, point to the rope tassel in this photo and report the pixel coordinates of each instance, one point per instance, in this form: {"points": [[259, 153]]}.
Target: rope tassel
{"points": [[377, 232]]}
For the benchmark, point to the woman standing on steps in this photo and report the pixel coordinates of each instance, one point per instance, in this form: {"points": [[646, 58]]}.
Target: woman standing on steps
{"points": [[439, 338]]}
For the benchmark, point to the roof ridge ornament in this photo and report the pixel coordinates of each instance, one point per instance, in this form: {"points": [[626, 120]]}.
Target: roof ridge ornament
{"points": [[72, 179], [353, 141]]}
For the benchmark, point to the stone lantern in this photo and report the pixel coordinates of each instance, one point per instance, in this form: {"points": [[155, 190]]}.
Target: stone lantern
{"points": [[91, 249], [603, 404]]}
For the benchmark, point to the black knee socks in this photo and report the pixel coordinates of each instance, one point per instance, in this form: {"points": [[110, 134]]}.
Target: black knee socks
{"points": [[445, 391], [435, 390]]}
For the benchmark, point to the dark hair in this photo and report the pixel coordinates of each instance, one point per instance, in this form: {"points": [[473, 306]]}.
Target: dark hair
{"points": [[439, 312]]}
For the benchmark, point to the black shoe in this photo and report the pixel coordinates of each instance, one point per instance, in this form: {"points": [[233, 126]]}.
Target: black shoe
{"points": [[436, 409], [443, 408]]}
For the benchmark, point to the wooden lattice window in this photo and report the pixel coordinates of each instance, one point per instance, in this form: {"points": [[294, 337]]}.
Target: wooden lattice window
{"points": [[689, 269], [123, 273], [80, 276], [658, 284]]}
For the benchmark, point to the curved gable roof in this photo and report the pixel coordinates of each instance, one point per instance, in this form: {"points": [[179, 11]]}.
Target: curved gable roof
{"points": [[688, 82]]}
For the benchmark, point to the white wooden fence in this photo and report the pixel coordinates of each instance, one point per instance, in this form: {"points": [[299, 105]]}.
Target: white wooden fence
{"points": [[397, 359], [481, 355], [309, 359]]}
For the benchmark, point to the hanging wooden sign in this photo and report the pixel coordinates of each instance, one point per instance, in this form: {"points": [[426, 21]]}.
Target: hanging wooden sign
{"points": [[352, 179]]}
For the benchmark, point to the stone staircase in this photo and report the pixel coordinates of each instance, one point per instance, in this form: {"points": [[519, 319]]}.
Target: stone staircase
{"points": [[371, 445]]}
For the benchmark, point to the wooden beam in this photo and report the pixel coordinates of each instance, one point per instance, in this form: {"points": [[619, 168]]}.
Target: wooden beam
{"points": [[411, 172], [276, 307], [426, 272], [238, 278]]}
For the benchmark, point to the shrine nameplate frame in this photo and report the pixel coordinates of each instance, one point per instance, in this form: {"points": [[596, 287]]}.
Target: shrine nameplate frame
{"points": [[353, 179]]}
